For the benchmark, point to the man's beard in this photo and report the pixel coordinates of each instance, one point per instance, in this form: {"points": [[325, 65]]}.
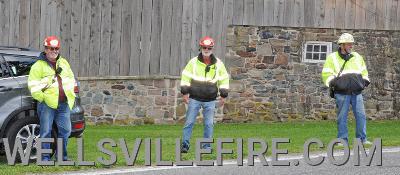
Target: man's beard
{"points": [[206, 54]]}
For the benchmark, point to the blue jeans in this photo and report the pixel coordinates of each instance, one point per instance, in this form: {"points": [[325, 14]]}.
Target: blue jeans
{"points": [[61, 116], [208, 120], [343, 104]]}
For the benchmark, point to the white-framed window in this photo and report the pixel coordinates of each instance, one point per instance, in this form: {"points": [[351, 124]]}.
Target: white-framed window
{"points": [[316, 51]]}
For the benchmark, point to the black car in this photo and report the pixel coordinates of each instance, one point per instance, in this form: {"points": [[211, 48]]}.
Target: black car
{"points": [[18, 116]]}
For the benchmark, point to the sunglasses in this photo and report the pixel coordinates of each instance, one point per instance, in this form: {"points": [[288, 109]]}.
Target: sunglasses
{"points": [[53, 48], [207, 48]]}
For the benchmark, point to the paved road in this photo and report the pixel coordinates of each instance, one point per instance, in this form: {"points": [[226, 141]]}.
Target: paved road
{"points": [[390, 165]]}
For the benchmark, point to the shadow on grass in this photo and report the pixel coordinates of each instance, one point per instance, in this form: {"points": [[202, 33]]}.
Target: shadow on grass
{"points": [[3, 159]]}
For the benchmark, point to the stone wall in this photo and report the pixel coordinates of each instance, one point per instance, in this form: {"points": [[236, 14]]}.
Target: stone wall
{"points": [[269, 81], [133, 100], [266, 68]]}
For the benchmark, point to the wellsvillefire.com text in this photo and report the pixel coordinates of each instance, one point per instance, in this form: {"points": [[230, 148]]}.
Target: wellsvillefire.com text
{"points": [[109, 157]]}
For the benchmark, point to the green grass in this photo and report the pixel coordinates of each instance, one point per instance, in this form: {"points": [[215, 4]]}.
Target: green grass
{"points": [[297, 132]]}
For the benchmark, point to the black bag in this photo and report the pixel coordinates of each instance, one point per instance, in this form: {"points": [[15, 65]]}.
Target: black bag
{"points": [[350, 83], [332, 85]]}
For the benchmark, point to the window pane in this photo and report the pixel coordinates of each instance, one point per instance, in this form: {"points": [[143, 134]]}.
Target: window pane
{"points": [[316, 51], [315, 56], [309, 48], [316, 48], [323, 48], [308, 56], [323, 56]]}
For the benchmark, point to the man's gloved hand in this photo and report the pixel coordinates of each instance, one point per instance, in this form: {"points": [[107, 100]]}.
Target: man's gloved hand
{"points": [[366, 83], [332, 83], [186, 98], [221, 101]]}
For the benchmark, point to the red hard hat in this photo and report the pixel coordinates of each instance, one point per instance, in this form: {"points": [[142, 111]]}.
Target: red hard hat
{"points": [[51, 41], [206, 42]]}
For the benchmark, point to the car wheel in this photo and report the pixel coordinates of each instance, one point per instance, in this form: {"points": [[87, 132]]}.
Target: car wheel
{"points": [[25, 129]]}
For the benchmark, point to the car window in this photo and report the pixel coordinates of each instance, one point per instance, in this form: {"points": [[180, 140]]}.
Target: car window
{"points": [[4, 71], [19, 65], [1, 70]]}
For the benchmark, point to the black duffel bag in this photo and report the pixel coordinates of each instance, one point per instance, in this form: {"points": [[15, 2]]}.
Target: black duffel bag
{"points": [[347, 84]]}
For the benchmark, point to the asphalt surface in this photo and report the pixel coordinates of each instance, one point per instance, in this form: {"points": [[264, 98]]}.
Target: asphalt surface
{"points": [[390, 165]]}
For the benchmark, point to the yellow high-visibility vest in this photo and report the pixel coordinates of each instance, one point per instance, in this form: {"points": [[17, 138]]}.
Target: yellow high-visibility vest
{"points": [[42, 75], [334, 63]]}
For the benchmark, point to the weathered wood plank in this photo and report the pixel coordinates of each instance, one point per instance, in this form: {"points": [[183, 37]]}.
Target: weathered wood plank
{"points": [[104, 61], [380, 15], [126, 37], [55, 17], [298, 13], [289, 18], [44, 21], [155, 37], [248, 15], [319, 13], [329, 21], [176, 37], [95, 35], [14, 23], [76, 17], [238, 12], [24, 27], [340, 9], [85, 38], [227, 20], [59, 9], [135, 37], [197, 14], [350, 14], [145, 38], [360, 14], [393, 15], [187, 21], [166, 37], [383, 18], [115, 40], [370, 6], [4, 24], [227, 14], [207, 18], [309, 13], [279, 11], [217, 27], [65, 30], [398, 16], [258, 12], [389, 16], [34, 25], [268, 19]]}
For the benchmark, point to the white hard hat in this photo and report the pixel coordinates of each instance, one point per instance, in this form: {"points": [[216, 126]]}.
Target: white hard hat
{"points": [[346, 38]]}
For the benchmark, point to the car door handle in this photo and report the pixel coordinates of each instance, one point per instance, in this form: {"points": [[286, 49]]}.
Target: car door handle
{"points": [[4, 88]]}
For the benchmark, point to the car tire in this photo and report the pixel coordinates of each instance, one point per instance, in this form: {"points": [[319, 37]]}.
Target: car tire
{"points": [[25, 128]]}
